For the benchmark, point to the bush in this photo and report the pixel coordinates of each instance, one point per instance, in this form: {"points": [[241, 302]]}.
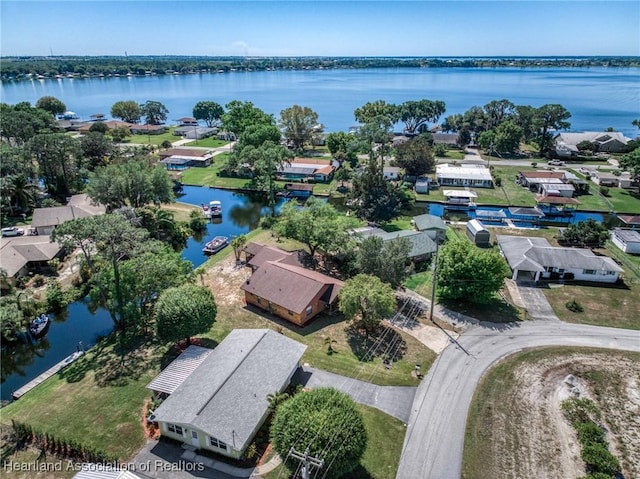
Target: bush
{"points": [[604, 191], [590, 433], [166, 144], [599, 459], [498, 181], [56, 298], [574, 306]]}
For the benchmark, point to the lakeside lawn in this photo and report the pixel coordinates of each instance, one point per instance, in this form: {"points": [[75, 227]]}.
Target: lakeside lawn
{"points": [[152, 139], [210, 142], [209, 176], [385, 436]]}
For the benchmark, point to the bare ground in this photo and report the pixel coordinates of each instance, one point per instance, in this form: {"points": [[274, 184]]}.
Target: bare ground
{"points": [[529, 436]]}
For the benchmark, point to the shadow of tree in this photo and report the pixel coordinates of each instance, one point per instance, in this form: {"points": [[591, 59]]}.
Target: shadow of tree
{"points": [[358, 473], [495, 311], [319, 322], [385, 343], [174, 351]]}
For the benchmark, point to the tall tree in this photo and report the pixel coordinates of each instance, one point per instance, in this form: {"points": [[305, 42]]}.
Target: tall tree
{"points": [[257, 135], [386, 260], [208, 111], [416, 156], [331, 425], [475, 119], [184, 311], [417, 114], [96, 147], [59, 162], [468, 273], [240, 115], [497, 111], [371, 112], [299, 124], [452, 123], [373, 197], [631, 162], [589, 233], [508, 136], [52, 105], [549, 117], [128, 111], [366, 300], [21, 122], [525, 119], [154, 112]]}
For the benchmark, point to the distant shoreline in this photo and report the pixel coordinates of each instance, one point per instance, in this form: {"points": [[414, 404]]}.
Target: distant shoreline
{"points": [[16, 68]]}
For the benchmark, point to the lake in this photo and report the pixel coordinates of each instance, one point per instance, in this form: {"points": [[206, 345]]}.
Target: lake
{"points": [[597, 97]]}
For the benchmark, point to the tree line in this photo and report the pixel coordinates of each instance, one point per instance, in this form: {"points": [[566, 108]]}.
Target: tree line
{"points": [[16, 68]]}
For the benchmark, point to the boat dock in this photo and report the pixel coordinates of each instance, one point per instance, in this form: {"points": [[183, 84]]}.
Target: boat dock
{"points": [[46, 375]]}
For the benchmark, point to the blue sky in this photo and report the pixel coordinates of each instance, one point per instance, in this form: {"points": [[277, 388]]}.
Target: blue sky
{"points": [[318, 28]]}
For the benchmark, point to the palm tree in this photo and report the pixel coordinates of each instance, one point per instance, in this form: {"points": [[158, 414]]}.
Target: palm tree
{"points": [[22, 192], [276, 399], [237, 244]]}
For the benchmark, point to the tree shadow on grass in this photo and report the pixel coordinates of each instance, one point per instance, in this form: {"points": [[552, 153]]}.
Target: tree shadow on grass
{"points": [[385, 343], [358, 473], [319, 322], [495, 311], [178, 348], [113, 363]]}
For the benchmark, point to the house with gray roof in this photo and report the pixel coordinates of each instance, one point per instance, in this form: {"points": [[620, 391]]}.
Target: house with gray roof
{"points": [[627, 240], [222, 403], [422, 246], [20, 255], [44, 220], [532, 259], [433, 225], [566, 143]]}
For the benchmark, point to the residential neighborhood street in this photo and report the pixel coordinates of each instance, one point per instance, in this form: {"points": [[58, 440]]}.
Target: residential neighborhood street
{"points": [[434, 441]]}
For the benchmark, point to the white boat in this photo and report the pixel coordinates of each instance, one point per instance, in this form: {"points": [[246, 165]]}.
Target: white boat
{"points": [[214, 208], [215, 245]]}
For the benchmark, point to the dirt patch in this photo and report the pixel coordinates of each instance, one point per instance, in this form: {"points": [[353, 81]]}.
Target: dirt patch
{"points": [[530, 436], [224, 279]]}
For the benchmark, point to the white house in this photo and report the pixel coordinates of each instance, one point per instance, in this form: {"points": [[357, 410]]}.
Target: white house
{"points": [[603, 178], [218, 401], [532, 259], [627, 240], [467, 175], [391, 173]]}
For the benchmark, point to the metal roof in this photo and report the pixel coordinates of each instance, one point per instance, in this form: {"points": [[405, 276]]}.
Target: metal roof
{"points": [[101, 471], [477, 172], [459, 194], [429, 222], [180, 368]]}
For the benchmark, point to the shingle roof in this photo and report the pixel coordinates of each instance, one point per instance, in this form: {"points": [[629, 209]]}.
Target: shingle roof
{"points": [[269, 253], [226, 396], [533, 254], [569, 138], [79, 206], [630, 219], [421, 243], [17, 252], [180, 368], [291, 287], [627, 236], [429, 222]]}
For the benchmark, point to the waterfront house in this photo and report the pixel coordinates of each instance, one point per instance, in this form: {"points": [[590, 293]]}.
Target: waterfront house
{"points": [[532, 179], [257, 254], [467, 175], [566, 143], [221, 403], [148, 129], [308, 169], [533, 259], [627, 240], [603, 178], [44, 220], [433, 225], [21, 255], [422, 245], [292, 292], [630, 221], [194, 132], [478, 234]]}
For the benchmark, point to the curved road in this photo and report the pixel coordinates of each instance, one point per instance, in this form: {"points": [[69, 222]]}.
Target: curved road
{"points": [[435, 434]]}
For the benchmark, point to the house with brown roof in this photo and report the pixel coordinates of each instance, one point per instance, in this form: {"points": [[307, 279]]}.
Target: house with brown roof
{"points": [[148, 129], [308, 169], [630, 221], [289, 290], [257, 254]]}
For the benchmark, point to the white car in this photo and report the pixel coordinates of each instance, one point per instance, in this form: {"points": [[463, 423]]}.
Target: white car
{"points": [[556, 163], [12, 231]]}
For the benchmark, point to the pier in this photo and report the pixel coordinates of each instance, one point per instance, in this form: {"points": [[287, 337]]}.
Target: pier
{"points": [[46, 375]]}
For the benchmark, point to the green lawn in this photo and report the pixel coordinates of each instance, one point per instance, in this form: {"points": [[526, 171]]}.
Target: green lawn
{"points": [[385, 436], [211, 142], [97, 400], [153, 139], [208, 176]]}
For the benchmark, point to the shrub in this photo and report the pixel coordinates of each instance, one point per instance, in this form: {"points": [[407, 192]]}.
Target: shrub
{"points": [[498, 181], [590, 433], [56, 298], [599, 459], [166, 144], [534, 163], [574, 306], [604, 191]]}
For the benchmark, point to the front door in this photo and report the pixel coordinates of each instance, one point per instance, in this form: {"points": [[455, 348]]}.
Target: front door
{"points": [[195, 441]]}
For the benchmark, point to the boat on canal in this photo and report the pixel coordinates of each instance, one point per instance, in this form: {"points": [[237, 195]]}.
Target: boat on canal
{"points": [[39, 326], [213, 209], [215, 245]]}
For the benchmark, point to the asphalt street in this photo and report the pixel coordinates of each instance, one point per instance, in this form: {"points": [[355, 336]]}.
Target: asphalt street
{"points": [[435, 435]]}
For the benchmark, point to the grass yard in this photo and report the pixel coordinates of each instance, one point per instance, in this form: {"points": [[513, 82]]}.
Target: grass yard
{"points": [[514, 425], [181, 211], [52, 467], [152, 139], [97, 400], [208, 176], [211, 142], [385, 436]]}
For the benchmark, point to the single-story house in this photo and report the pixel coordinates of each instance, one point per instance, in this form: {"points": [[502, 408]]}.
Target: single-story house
{"points": [[448, 139], [222, 403], [566, 144], [20, 255], [467, 175], [432, 224], [391, 173], [257, 254], [532, 259], [609, 179], [627, 240], [298, 190], [478, 234], [148, 129], [532, 179], [556, 188], [292, 292], [308, 169], [44, 220], [195, 132], [111, 124], [190, 152], [630, 221], [422, 246], [187, 121]]}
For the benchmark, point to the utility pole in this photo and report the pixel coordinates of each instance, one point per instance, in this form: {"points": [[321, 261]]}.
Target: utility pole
{"points": [[307, 462], [435, 279]]}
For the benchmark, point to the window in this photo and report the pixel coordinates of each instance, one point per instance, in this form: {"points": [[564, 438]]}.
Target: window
{"points": [[174, 428], [588, 271], [291, 313], [259, 300], [217, 443], [309, 310]]}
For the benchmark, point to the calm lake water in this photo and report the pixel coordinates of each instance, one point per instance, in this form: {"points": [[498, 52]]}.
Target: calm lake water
{"points": [[596, 97]]}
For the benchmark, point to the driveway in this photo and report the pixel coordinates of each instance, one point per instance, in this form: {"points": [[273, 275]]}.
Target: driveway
{"points": [[435, 434], [536, 302], [396, 401]]}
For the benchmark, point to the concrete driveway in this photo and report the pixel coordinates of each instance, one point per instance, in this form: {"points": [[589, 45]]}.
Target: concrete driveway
{"points": [[396, 401], [434, 441], [536, 302]]}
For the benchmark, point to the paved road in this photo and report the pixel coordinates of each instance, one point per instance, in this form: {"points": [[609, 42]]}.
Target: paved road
{"points": [[435, 435], [393, 400]]}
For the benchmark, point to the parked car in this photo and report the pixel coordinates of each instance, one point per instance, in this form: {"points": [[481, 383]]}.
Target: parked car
{"points": [[556, 163], [12, 231]]}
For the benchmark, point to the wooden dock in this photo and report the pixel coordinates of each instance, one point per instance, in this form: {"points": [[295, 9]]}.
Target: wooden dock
{"points": [[46, 375]]}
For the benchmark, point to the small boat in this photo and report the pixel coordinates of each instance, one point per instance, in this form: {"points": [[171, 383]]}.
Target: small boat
{"points": [[215, 245], [39, 326], [215, 207]]}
